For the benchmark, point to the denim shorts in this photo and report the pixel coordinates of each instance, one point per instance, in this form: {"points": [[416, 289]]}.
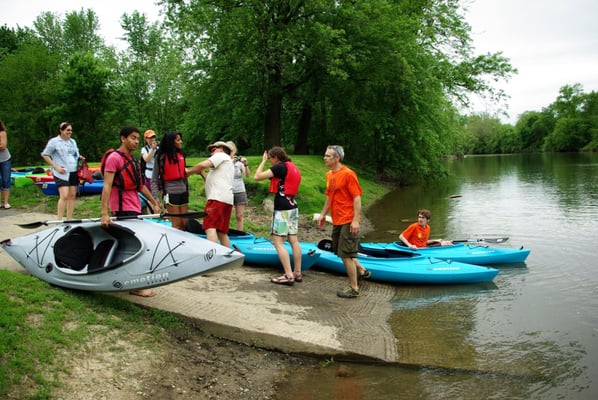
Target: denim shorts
{"points": [[5, 174]]}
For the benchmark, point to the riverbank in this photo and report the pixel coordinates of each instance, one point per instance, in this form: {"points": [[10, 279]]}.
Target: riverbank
{"points": [[188, 362]]}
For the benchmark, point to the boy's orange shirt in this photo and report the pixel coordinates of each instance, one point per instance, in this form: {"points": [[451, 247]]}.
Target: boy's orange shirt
{"points": [[417, 235]]}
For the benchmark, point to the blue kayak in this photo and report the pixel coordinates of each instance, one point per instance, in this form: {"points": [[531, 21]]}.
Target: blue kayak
{"points": [[50, 189], [412, 268], [258, 251], [478, 253]]}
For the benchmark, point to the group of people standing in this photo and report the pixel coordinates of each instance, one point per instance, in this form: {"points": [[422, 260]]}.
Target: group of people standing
{"points": [[164, 181]]}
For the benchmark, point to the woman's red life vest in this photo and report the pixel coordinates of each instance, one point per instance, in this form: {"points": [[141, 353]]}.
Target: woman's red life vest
{"points": [[291, 181], [173, 171]]}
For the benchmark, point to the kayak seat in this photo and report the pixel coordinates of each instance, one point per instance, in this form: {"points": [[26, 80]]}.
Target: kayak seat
{"points": [[73, 250], [102, 255]]}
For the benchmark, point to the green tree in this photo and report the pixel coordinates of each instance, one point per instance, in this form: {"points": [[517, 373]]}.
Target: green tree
{"points": [[533, 127], [84, 96], [378, 76], [28, 85], [153, 76]]}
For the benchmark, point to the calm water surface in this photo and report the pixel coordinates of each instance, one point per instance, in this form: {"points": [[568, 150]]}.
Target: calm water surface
{"points": [[530, 334]]}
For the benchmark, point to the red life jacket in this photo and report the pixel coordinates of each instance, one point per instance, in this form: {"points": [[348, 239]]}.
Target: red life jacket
{"points": [[291, 181], [127, 177], [173, 172]]}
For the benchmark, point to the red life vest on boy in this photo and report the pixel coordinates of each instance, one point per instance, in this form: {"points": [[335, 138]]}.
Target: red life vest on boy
{"points": [[291, 181], [127, 177]]}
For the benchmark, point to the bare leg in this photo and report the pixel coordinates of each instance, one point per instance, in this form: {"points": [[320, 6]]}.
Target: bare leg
{"points": [[283, 254], [177, 222], [239, 210], [359, 268], [212, 235], [63, 193], [71, 201], [351, 272], [294, 241], [224, 239]]}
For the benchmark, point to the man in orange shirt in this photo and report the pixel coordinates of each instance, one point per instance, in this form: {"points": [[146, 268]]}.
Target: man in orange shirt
{"points": [[343, 200]]}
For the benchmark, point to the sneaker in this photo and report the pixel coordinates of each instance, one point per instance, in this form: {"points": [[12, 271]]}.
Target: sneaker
{"points": [[366, 275], [347, 293]]}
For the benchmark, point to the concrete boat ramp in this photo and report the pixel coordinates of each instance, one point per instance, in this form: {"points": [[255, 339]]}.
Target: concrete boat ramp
{"points": [[242, 304]]}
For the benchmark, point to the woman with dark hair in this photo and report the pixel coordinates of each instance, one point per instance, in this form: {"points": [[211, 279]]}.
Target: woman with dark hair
{"points": [[5, 165], [169, 173], [62, 154]]}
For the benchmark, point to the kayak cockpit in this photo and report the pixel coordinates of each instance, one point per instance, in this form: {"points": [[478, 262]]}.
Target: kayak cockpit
{"points": [[90, 250]]}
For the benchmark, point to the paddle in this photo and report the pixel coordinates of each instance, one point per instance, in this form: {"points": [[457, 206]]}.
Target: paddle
{"points": [[193, 214], [487, 240]]}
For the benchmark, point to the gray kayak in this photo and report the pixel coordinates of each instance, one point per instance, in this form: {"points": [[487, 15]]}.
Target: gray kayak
{"points": [[130, 254]]}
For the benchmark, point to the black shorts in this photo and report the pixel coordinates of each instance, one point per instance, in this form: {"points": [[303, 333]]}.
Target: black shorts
{"points": [[176, 199], [73, 180]]}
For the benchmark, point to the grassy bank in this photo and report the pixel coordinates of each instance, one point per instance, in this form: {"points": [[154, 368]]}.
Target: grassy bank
{"points": [[43, 327]]}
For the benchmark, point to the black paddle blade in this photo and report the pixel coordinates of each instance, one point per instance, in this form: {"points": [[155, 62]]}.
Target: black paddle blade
{"points": [[32, 225]]}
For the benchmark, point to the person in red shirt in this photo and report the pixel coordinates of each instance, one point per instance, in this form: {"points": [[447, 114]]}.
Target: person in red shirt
{"points": [[343, 200], [417, 235]]}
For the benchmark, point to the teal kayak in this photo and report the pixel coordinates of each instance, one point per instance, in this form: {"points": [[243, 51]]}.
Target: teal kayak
{"points": [[258, 251], [478, 253], [410, 268]]}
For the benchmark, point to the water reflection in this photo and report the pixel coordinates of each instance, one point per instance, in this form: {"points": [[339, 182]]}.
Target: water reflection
{"points": [[529, 335]]}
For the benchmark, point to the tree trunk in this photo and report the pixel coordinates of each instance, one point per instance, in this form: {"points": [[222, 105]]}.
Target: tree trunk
{"points": [[272, 125], [301, 146]]}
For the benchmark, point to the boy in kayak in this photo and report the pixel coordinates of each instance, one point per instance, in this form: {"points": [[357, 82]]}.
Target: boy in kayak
{"points": [[417, 235]]}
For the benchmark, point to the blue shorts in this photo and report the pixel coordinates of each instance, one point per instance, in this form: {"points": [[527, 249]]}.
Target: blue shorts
{"points": [[5, 174]]}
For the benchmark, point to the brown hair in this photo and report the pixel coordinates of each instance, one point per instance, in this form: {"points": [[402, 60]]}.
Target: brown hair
{"points": [[279, 153], [426, 213]]}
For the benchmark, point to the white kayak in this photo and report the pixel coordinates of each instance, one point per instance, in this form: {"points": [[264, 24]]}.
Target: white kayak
{"points": [[131, 254]]}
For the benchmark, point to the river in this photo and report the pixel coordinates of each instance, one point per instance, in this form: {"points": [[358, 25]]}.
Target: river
{"points": [[530, 334]]}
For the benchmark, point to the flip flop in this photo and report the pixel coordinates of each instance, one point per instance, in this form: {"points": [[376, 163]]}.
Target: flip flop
{"points": [[283, 280]]}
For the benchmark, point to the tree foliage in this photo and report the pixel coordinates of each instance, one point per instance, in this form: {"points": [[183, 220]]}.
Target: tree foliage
{"points": [[383, 78], [310, 73]]}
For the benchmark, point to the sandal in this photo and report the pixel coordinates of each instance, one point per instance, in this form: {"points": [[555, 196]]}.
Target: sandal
{"points": [[298, 277], [283, 280]]}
